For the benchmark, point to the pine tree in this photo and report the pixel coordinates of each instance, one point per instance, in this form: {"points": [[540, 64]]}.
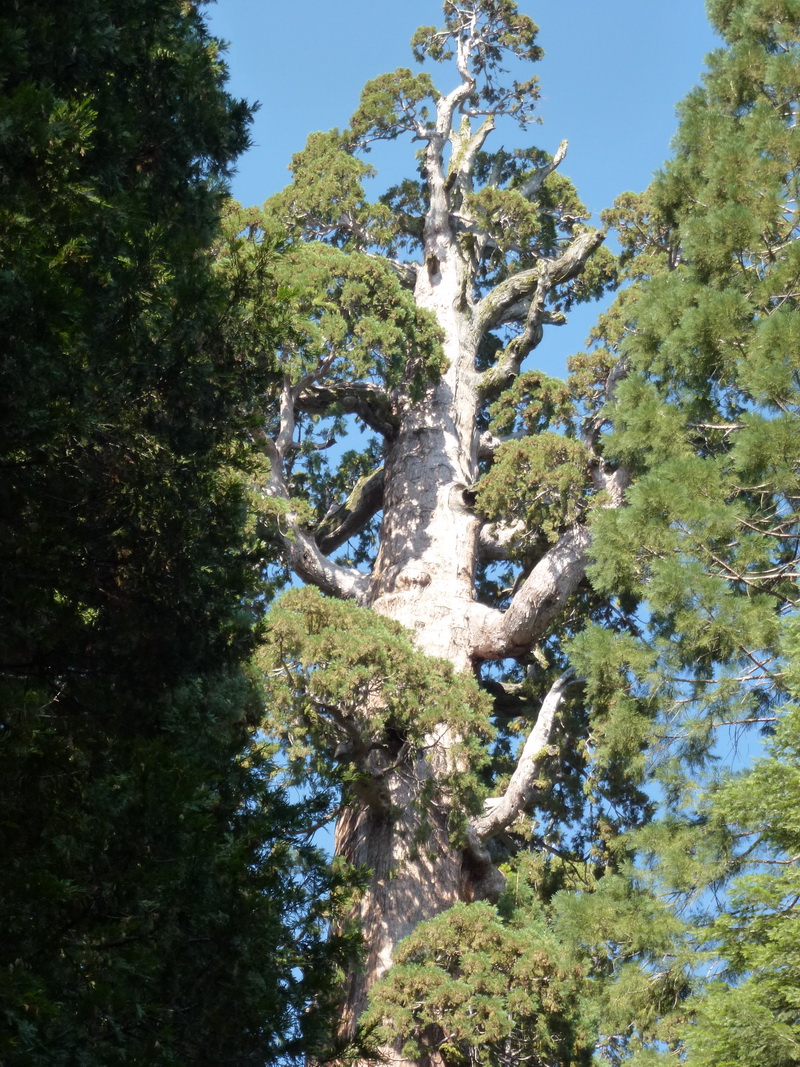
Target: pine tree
{"points": [[156, 894], [707, 419]]}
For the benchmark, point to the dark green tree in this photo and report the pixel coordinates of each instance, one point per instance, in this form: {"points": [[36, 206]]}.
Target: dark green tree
{"points": [[156, 894]]}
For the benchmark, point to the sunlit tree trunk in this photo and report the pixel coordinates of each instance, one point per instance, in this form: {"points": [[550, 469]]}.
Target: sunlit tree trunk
{"points": [[431, 537]]}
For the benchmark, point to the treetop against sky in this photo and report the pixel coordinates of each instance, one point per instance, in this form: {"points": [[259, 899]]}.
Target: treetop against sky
{"points": [[610, 79]]}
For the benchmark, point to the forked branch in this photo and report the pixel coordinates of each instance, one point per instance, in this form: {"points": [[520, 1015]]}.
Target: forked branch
{"points": [[492, 309], [305, 556], [538, 602]]}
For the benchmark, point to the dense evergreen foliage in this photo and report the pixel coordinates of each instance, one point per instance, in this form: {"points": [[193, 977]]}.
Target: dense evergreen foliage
{"points": [[156, 899], [415, 313], [708, 419], [566, 798]]}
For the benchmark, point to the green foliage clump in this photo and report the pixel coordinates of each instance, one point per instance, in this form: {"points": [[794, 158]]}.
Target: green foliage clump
{"points": [[385, 99], [478, 989], [707, 418], [543, 481], [751, 1017], [705, 415], [327, 192], [534, 402], [159, 901], [352, 316], [635, 981], [344, 681]]}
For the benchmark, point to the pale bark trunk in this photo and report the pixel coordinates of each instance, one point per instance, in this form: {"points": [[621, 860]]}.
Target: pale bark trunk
{"points": [[424, 578], [425, 570], [424, 574], [410, 882]]}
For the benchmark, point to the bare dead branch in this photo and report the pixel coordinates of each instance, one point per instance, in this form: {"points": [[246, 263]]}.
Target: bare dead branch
{"points": [[533, 184], [501, 812]]}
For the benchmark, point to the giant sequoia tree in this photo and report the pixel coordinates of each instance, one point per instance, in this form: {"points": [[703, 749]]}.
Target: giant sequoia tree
{"points": [[440, 639]]}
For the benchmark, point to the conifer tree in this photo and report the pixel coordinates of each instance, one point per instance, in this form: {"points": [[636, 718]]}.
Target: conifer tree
{"points": [[707, 421], [424, 668], [156, 894]]}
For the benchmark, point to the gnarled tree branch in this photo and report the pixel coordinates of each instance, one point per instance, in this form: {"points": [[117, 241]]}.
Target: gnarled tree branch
{"points": [[363, 399], [508, 366], [492, 308], [346, 520], [501, 812], [305, 556], [497, 539], [539, 601]]}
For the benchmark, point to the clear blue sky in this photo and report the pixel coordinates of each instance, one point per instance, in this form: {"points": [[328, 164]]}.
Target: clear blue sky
{"points": [[612, 75]]}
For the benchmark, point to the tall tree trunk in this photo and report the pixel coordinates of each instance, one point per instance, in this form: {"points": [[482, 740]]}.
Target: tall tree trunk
{"points": [[424, 579], [431, 539], [425, 571]]}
